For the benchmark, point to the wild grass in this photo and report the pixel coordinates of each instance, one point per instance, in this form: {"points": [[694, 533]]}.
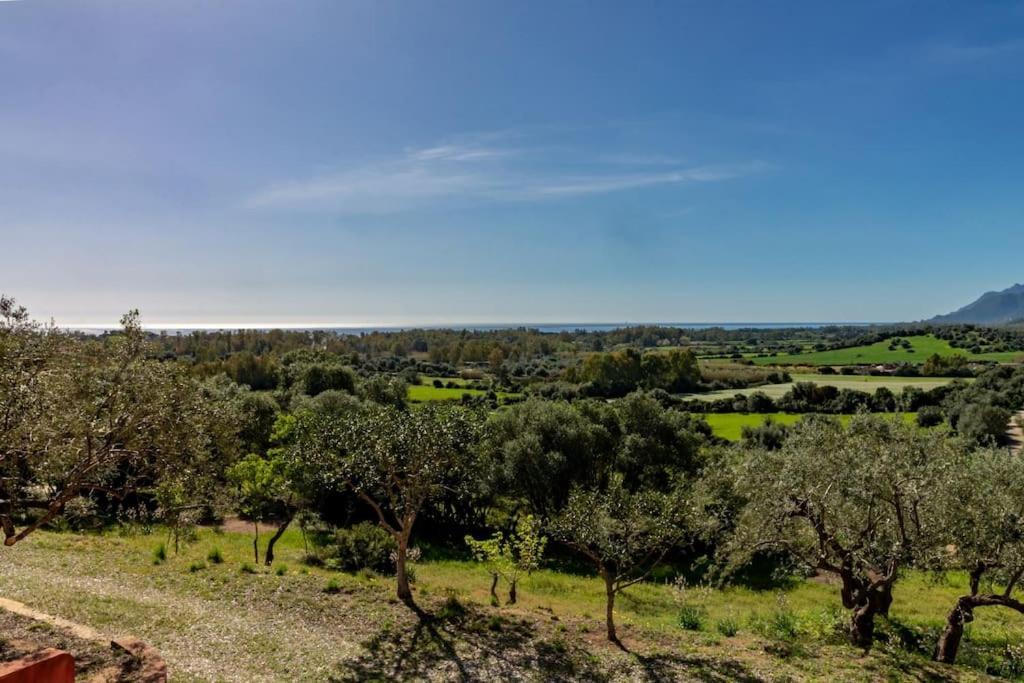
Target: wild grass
{"points": [[922, 346], [730, 425], [220, 623]]}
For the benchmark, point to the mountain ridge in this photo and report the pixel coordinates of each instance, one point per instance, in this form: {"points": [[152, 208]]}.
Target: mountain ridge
{"points": [[991, 308]]}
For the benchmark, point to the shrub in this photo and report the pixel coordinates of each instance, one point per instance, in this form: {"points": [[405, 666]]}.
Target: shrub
{"points": [[691, 601], [982, 423], [281, 569], [160, 554], [691, 617], [930, 416], [197, 566], [333, 586], [452, 608], [214, 556], [783, 624], [728, 627], [362, 546], [247, 568]]}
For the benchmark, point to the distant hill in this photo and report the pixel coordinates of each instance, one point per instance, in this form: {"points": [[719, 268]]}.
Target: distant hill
{"points": [[992, 308]]}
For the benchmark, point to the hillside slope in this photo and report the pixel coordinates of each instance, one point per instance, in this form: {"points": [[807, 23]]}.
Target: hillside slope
{"points": [[991, 308]]}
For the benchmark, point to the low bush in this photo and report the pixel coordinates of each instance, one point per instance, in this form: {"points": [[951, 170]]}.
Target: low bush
{"points": [[160, 554], [691, 618], [362, 546]]}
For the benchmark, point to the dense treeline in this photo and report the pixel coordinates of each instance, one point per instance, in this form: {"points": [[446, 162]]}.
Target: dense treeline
{"points": [[101, 428]]}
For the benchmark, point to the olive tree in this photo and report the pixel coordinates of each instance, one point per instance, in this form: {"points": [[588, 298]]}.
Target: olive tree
{"points": [[509, 558], [860, 502], [624, 534], [262, 489], [985, 523], [83, 417], [395, 461]]}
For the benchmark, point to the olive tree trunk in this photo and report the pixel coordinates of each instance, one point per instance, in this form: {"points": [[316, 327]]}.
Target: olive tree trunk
{"points": [[873, 601], [609, 590], [402, 574], [963, 613], [268, 556]]}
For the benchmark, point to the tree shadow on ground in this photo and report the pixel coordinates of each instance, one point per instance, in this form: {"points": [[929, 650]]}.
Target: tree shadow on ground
{"points": [[669, 666], [467, 643]]}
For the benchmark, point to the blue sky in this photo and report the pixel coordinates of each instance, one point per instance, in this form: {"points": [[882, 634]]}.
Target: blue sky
{"points": [[412, 162]]}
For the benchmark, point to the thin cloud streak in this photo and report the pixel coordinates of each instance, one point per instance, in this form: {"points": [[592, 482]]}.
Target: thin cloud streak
{"points": [[469, 173], [950, 53]]}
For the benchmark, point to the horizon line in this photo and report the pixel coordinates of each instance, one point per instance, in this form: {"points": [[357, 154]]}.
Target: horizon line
{"points": [[458, 325]]}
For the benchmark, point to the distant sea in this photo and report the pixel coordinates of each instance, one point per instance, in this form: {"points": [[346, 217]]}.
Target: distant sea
{"points": [[552, 328]]}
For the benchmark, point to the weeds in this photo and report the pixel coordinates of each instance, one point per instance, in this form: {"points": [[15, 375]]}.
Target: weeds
{"points": [[160, 554]]}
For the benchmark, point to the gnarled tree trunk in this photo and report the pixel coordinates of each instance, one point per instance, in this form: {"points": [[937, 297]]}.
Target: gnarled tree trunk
{"points": [[949, 642], [494, 588], [256, 542], [268, 557], [866, 600], [512, 593]]}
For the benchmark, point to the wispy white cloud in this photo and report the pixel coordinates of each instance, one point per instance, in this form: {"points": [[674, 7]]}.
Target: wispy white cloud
{"points": [[960, 53], [460, 153], [614, 183], [466, 172]]}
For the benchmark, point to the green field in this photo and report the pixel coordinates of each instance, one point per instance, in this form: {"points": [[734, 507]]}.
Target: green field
{"points": [[923, 347], [421, 393], [233, 622], [866, 383], [730, 425]]}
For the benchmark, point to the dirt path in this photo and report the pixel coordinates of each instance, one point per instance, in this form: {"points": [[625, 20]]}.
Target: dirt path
{"points": [[1016, 433]]}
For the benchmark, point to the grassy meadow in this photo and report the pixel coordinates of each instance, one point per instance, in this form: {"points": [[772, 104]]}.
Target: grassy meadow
{"points": [[426, 391], [730, 425], [234, 621], [866, 383], [922, 346]]}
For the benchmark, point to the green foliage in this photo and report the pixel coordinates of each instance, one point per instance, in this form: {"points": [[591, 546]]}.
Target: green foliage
{"points": [[692, 602], [317, 378], [160, 554], [983, 424], [691, 618], [384, 390], [770, 435], [618, 373], [537, 450], [215, 556], [930, 416], [396, 461], [361, 546], [82, 415], [520, 553], [728, 626], [864, 502], [262, 483]]}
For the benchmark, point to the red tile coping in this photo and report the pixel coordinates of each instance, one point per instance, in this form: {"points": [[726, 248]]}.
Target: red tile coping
{"points": [[46, 666]]}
